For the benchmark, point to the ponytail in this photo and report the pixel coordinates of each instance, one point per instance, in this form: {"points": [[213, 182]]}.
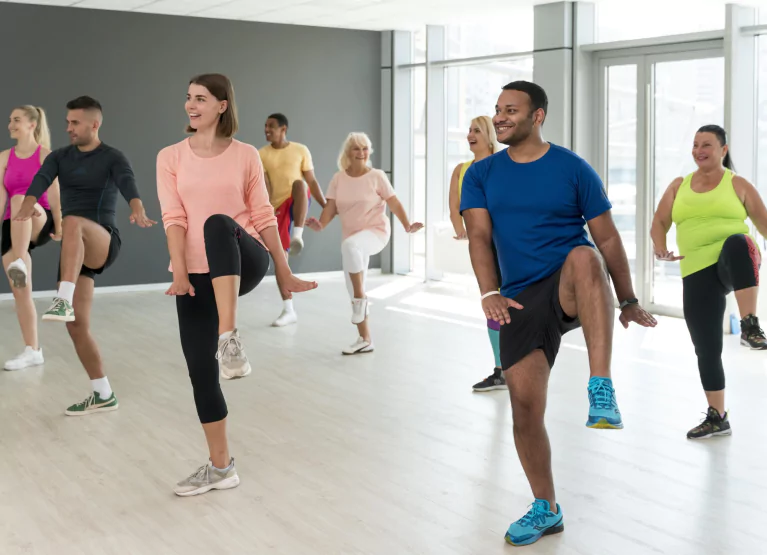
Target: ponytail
{"points": [[42, 132], [721, 136]]}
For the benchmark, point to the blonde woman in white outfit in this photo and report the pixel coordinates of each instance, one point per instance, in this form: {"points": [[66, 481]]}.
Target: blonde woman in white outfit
{"points": [[359, 195]]}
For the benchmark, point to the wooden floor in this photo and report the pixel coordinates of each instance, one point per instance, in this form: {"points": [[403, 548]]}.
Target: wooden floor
{"points": [[386, 454]]}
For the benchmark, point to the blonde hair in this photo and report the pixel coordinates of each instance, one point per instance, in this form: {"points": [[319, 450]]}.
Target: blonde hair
{"points": [[353, 139], [487, 130], [35, 114]]}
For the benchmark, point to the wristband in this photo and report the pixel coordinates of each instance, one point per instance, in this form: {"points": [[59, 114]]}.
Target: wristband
{"points": [[490, 294]]}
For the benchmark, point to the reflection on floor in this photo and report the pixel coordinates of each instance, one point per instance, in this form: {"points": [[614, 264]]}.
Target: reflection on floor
{"points": [[388, 453]]}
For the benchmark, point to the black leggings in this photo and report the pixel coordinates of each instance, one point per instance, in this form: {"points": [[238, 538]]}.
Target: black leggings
{"points": [[705, 301], [231, 251]]}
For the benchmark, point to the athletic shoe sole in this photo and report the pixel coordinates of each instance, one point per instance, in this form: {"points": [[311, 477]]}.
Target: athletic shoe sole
{"points": [[547, 532], [603, 424], [53, 318], [18, 278], [240, 373], [295, 248], [364, 351], [229, 483], [708, 436], [492, 388], [742, 342], [91, 411], [22, 367]]}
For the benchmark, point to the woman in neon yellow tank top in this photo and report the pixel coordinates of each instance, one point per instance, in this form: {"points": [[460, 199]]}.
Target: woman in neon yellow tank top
{"points": [[717, 256], [482, 143]]}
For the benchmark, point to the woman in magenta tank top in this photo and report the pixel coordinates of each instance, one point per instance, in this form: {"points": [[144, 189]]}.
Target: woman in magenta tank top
{"points": [[18, 167]]}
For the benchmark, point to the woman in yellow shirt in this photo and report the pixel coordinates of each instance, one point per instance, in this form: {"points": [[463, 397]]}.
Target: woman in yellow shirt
{"points": [[717, 256], [482, 143]]}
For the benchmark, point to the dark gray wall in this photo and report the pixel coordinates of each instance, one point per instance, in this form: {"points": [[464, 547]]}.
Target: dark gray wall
{"points": [[327, 81]]}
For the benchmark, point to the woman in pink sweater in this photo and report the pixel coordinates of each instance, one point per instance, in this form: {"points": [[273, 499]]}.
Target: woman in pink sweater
{"points": [[221, 229], [359, 195]]}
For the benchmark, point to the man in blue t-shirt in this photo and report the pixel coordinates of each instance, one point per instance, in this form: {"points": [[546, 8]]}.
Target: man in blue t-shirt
{"points": [[533, 200]]}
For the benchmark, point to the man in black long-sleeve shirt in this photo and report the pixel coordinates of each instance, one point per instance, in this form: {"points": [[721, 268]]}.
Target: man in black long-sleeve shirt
{"points": [[90, 175]]}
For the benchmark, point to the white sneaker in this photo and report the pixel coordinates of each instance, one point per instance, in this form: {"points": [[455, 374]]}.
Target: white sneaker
{"points": [[285, 319], [360, 347], [359, 310], [28, 358], [296, 246], [17, 272], [232, 361]]}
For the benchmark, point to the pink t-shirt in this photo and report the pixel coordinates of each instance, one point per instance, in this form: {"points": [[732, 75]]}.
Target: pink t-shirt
{"points": [[191, 189], [361, 202]]}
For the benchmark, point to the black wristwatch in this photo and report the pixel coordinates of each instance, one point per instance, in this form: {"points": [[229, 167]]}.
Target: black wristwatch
{"points": [[627, 302]]}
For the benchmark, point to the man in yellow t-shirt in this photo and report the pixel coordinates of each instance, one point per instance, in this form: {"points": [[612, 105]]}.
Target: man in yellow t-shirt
{"points": [[288, 170]]}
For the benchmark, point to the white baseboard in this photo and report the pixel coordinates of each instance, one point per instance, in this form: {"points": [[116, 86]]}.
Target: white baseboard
{"points": [[109, 289]]}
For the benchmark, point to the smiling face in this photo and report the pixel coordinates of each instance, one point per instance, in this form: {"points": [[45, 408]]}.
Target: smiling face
{"points": [[707, 152], [19, 126], [477, 141], [515, 120], [359, 154], [203, 109], [274, 132]]}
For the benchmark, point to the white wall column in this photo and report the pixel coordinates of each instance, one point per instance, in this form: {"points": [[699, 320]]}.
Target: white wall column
{"points": [[436, 131], [402, 143], [585, 83], [553, 67]]}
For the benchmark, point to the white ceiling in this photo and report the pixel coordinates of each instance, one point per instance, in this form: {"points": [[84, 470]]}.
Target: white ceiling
{"points": [[354, 14]]}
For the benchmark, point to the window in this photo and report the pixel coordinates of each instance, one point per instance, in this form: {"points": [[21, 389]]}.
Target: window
{"points": [[487, 38], [473, 91], [418, 46], [656, 18], [418, 213]]}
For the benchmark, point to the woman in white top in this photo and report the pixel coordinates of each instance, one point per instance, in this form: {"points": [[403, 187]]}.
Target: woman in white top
{"points": [[359, 195]]}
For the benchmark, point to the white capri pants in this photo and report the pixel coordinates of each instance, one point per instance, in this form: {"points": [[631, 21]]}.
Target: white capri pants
{"points": [[356, 251]]}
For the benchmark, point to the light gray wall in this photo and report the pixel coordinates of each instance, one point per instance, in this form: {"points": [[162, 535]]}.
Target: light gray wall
{"points": [[327, 81]]}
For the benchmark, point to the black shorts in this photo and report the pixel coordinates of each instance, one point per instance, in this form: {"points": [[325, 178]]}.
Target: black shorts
{"points": [[114, 250], [44, 237], [539, 325]]}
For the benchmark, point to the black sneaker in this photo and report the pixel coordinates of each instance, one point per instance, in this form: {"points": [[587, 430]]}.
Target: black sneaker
{"points": [[713, 425], [751, 335], [494, 381]]}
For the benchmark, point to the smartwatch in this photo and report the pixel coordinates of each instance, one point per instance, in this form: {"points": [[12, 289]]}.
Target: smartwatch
{"points": [[627, 302]]}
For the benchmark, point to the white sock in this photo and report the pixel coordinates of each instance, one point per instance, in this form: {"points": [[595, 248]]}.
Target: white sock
{"points": [[298, 232], [226, 335], [287, 305], [101, 386], [20, 262], [66, 291]]}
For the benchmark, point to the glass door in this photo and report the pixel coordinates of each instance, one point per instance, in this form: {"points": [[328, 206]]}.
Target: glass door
{"points": [[650, 108]]}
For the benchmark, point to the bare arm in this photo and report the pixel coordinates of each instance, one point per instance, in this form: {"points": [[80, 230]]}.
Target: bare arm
{"points": [[455, 205], [608, 241], [54, 198], [314, 187], [328, 213], [268, 184], [661, 222], [3, 193], [753, 203], [398, 210], [479, 228]]}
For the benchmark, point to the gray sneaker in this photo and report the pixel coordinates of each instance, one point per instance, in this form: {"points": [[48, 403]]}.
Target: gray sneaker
{"points": [[232, 361], [207, 478]]}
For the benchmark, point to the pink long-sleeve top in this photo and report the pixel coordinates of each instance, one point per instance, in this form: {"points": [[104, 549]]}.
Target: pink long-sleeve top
{"points": [[191, 189]]}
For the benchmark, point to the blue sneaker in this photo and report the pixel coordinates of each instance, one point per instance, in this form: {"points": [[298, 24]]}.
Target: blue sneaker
{"points": [[603, 408], [538, 522]]}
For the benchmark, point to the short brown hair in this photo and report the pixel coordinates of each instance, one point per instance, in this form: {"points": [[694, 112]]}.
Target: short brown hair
{"points": [[221, 88]]}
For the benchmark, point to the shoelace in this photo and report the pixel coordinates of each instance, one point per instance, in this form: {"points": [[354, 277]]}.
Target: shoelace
{"points": [[536, 515], [58, 304], [87, 402], [231, 346], [200, 473], [601, 395]]}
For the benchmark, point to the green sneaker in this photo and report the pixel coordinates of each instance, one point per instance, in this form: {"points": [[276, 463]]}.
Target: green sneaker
{"points": [[60, 311], [92, 405]]}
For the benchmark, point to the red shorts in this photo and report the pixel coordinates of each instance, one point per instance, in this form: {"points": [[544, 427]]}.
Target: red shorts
{"points": [[284, 214]]}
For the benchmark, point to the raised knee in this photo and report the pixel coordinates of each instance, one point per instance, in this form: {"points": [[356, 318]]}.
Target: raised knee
{"points": [[348, 247], [585, 259], [737, 241], [216, 224]]}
